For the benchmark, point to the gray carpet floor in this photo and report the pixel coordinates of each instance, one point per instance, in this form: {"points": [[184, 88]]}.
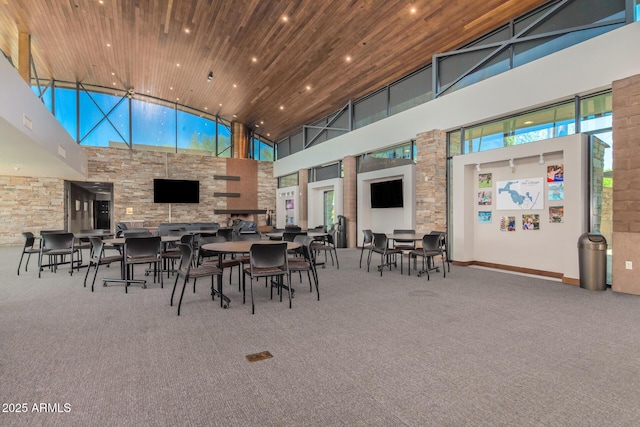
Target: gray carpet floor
{"points": [[479, 347]]}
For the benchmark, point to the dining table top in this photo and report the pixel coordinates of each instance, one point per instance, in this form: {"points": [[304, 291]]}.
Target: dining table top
{"points": [[244, 246]]}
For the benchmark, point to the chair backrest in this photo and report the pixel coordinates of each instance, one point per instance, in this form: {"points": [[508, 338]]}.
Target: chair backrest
{"points": [[268, 256], [368, 237], [289, 236], [177, 231], [292, 227], [305, 248], [186, 257], [120, 227], [211, 239], [29, 239], [380, 241], [431, 242], [187, 239], [227, 233], [97, 247], [249, 236], [136, 247], [57, 241]]}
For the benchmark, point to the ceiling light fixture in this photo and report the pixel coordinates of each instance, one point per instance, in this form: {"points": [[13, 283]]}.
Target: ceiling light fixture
{"points": [[348, 58], [478, 167], [541, 161], [210, 76], [511, 164]]}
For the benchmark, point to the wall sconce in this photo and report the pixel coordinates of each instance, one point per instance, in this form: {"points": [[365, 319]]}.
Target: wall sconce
{"points": [[512, 165], [478, 167], [541, 161]]}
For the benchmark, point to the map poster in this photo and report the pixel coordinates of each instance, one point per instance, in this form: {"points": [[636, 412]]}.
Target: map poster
{"points": [[484, 217], [556, 191], [484, 198], [531, 222], [508, 223], [520, 194], [556, 214], [555, 173], [484, 180]]}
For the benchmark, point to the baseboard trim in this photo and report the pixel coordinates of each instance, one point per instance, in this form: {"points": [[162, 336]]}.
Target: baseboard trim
{"points": [[515, 269]]}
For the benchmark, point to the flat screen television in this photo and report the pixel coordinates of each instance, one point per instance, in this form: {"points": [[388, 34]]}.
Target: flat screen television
{"points": [[387, 194], [176, 191]]}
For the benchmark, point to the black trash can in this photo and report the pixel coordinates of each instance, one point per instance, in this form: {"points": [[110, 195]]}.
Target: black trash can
{"points": [[592, 259], [341, 232]]}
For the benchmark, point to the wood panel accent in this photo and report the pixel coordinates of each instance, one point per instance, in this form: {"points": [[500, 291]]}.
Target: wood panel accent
{"points": [[247, 186], [24, 61], [147, 39]]}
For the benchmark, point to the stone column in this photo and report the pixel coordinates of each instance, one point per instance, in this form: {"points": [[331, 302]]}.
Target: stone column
{"points": [[350, 199], [626, 185], [431, 181]]}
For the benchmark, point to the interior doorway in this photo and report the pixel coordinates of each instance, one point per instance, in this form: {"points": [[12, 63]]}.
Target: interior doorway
{"points": [[88, 205]]}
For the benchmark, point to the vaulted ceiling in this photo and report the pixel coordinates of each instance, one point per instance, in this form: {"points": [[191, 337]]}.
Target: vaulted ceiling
{"points": [[276, 64]]}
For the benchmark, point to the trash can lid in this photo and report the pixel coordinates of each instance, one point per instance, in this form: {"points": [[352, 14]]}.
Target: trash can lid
{"points": [[592, 241]]}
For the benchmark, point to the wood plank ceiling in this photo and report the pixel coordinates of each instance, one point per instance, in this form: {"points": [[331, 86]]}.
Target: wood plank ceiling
{"points": [[276, 64]]}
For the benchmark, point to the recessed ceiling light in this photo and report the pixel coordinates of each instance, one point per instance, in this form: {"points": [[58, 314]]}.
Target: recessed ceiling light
{"points": [[235, 85], [413, 10], [113, 74], [261, 122], [268, 134], [108, 44], [348, 58], [254, 59], [101, 2], [186, 30], [235, 116], [528, 122], [257, 125], [282, 107], [171, 88], [177, 65], [221, 105], [206, 108], [148, 91], [114, 83], [308, 87], [177, 99], [285, 18]]}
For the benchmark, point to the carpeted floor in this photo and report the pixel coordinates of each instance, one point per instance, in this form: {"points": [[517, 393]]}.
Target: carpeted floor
{"points": [[479, 347]]}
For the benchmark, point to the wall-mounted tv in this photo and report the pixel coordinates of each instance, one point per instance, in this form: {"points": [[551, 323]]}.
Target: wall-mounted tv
{"points": [[176, 191], [387, 194]]}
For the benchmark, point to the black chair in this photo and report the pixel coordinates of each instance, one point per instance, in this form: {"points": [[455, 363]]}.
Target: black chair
{"points": [[56, 246], [187, 270], [381, 246], [98, 258], [430, 248], [268, 261], [29, 241], [218, 260], [172, 251], [228, 233], [327, 245], [367, 243], [404, 245], [136, 233], [443, 246], [289, 236], [120, 227], [305, 262], [142, 250]]}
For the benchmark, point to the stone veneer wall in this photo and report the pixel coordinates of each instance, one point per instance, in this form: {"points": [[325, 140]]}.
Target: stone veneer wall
{"points": [[34, 204], [431, 181], [29, 204], [626, 184]]}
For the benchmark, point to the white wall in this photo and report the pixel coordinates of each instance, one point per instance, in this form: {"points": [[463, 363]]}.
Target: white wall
{"points": [[387, 219], [315, 197], [551, 248], [282, 195], [579, 69], [45, 149]]}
